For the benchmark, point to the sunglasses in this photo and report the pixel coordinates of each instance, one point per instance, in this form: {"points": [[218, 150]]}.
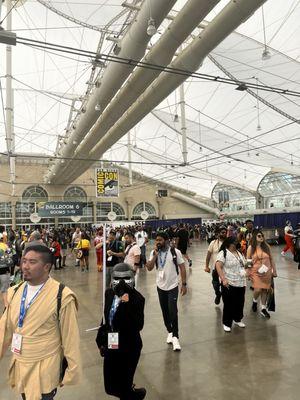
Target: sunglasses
{"points": [[260, 235]]}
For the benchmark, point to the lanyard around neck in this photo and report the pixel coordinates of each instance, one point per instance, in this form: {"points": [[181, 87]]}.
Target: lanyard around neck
{"points": [[113, 310], [23, 309], [238, 258], [162, 262]]}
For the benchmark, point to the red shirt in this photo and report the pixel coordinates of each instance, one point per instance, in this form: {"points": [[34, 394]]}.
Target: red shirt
{"points": [[57, 248]]}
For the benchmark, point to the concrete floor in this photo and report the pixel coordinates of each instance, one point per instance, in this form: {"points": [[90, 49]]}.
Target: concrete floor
{"points": [[260, 362]]}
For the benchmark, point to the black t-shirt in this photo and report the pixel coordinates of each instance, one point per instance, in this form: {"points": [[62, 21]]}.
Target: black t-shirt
{"points": [[63, 241], [171, 233], [117, 247], [183, 238]]}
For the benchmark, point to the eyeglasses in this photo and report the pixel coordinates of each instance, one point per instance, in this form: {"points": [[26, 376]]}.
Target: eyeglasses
{"points": [[260, 235]]}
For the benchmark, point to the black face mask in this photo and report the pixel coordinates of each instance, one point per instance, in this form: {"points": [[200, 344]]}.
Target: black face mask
{"points": [[122, 288]]}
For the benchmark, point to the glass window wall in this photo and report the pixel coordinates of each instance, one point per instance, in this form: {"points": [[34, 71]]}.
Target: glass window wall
{"points": [[231, 198]]}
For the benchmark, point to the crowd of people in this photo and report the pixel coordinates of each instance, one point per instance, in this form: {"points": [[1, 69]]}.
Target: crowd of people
{"points": [[40, 313]]}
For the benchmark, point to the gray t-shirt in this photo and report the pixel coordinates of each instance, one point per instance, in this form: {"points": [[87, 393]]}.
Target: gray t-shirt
{"points": [[166, 276]]}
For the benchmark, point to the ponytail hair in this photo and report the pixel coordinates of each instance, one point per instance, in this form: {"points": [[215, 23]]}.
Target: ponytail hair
{"points": [[225, 245]]}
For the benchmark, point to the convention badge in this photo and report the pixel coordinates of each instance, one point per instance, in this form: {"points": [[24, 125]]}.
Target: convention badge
{"points": [[16, 343], [109, 258], [242, 273], [161, 274], [113, 340]]}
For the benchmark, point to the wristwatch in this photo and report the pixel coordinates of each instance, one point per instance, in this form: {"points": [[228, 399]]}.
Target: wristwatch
{"points": [[184, 284]]}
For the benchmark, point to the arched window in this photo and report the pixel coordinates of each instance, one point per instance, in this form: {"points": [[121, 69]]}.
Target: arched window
{"points": [[144, 206], [75, 193], [35, 194], [31, 198], [280, 189], [104, 208]]}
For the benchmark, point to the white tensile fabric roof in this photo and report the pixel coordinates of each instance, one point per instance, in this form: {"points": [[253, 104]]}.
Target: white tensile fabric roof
{"points": [[233, 137]]}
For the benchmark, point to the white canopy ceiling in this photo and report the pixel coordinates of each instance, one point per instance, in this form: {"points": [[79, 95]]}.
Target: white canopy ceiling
{"points": [[234, 137]]}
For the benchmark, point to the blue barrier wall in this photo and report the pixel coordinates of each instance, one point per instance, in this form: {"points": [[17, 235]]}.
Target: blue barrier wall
{"points": [[158, 223], [276, 220]]}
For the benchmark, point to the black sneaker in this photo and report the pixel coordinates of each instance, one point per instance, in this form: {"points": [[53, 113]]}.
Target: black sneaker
{"points": [[254, 306], [265, 313], [139, 393], [190, 263], [217, 299]]}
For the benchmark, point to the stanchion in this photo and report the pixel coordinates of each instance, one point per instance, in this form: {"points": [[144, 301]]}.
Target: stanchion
{"points": [[104, 278], [104, 267]]}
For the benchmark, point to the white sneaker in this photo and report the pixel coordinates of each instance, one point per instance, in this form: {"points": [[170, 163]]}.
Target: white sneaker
{"points": [[240, 324], [170, 338], [282, 253], [176, 344], [226, 328]]}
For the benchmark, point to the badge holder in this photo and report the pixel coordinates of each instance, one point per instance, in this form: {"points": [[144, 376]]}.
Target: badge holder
{"points": [[16, 344], [113, 341]]}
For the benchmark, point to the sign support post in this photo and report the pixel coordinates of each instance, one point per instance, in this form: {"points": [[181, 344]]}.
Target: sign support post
{"points": [[104, 267]]}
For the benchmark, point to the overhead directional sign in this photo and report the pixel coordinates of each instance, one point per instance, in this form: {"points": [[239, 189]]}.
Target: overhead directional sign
{"points": [[61, 209]]}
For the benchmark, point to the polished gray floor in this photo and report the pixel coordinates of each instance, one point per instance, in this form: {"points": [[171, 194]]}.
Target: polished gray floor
{"points": [[260, 362]]}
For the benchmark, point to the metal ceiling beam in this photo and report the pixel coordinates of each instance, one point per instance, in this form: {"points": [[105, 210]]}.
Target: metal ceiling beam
{"points": [[132, 46], [195, 203], [233, 14], [161, 53]]}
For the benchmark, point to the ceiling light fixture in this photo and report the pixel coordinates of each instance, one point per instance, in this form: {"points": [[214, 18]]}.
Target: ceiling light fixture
{"points": [[266, 54], [241, 87], [151, 29]]}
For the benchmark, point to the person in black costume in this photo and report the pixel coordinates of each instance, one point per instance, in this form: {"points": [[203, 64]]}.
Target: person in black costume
{"points": [[124, 316]]}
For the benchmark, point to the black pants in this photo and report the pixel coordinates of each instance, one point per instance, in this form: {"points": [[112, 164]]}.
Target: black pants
{"points": [[168, 304], [119, 369], [46, 396], [216, 282], [143, 255], [233, 299], [57, 258]]}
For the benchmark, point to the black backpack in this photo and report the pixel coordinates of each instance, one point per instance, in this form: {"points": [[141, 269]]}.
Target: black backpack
{"points": [[174, 257]]}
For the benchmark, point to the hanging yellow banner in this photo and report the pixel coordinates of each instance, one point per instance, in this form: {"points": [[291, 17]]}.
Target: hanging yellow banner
{"points": [[107, 182]]}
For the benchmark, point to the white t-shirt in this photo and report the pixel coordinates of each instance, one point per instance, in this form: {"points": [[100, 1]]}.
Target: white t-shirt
{"points": [[31, 292], [76, 237], [214, 248], [131, 251], [233, 267], [140, 238], [288, 230], [169, 279]]}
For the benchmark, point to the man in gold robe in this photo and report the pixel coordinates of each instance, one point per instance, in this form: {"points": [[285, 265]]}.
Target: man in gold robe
{"points": [[40, 338]]}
